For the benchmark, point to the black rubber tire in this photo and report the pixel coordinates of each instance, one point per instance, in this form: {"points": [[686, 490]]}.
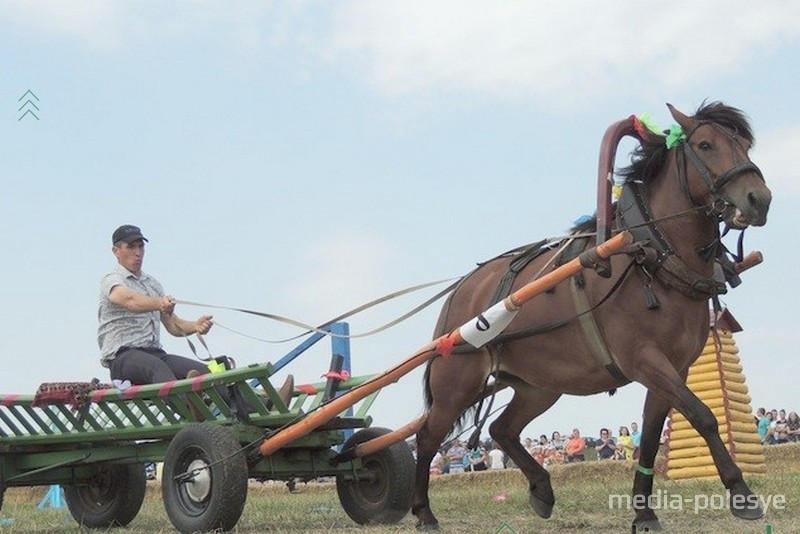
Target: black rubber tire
{"points": [[215, 497], [385, 498], [112, 498]]}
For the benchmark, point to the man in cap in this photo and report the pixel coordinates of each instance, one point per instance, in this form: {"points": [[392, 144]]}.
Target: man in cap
{"points": [[132, 304]]}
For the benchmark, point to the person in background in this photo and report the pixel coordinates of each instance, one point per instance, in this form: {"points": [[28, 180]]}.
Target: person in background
{"points": [[793, 426], [556, 448], [624, 445], [496, 457], [606, 445], [763, 424], [456, 454], [477, 458], [636, 436], [779, 428], [575, 447]]}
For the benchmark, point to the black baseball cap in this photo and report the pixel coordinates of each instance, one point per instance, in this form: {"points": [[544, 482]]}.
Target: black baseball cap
{"points": [[127, 233]]}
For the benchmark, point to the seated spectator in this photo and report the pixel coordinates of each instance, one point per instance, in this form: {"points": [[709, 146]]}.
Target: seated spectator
{"points": [[556, 446], [496, 458], [780, 429], [477, 459], [456, 455], [540, 450], [575, 447], [793, 427], [605, 445], [624, 445]]}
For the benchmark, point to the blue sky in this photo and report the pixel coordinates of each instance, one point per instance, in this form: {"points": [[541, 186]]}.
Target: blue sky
{"points": [[302, 158]]}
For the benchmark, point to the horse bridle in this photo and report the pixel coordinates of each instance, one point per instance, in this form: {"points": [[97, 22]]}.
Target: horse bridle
{"points": [[718, 183]]}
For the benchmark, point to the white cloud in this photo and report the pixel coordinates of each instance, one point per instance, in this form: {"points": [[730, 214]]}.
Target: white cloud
{"points": [[123, 24], [96, 22], [554, 52]]}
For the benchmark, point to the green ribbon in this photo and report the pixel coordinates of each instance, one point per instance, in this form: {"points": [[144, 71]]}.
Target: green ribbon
{"points": [[648, 471], [648, 122], [675, 136]]}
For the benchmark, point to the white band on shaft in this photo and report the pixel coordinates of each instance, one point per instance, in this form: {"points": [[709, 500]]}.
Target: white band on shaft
{"points": [[487, 326]]}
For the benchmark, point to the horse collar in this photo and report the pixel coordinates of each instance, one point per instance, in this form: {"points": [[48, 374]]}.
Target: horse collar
{"points": [[634, 214]]}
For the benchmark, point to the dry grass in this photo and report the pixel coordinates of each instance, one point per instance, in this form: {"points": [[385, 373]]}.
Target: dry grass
{"points": [[471, 502]]}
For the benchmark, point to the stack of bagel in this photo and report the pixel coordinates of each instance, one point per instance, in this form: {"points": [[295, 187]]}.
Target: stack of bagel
{"points": [[717, 379]]}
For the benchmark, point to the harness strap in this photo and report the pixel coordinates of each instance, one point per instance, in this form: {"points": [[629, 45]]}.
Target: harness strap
{"points": [[591, 331], [666, 266]]}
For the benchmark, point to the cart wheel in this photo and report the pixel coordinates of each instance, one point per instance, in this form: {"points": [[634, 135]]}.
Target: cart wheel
{"points": [[383, 496], [213, 498], [112, 498]]}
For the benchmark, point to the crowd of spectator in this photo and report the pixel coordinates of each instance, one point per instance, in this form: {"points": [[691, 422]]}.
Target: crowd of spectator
{"points": [[456, 457], [774, 427]]}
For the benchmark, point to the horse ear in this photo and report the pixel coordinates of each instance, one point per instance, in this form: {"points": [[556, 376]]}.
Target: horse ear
{"points": [[680, 118]]}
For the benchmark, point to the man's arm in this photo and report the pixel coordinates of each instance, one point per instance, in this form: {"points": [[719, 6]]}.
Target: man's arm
{"points": [[181, 327], [139, 302]]}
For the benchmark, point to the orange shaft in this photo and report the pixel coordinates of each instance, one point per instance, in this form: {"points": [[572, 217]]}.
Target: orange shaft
{"points": [[330, 410], [571, 268], [381, 442]]}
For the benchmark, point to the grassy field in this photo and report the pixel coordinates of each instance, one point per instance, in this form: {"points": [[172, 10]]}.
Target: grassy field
{"points": [[495, 503]]}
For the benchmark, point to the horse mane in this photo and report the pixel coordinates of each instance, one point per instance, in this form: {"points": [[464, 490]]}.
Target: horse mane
{"points": [[650, 156]]}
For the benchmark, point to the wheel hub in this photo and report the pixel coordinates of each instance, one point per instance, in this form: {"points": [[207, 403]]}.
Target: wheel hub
{"points": [[199, 486]]}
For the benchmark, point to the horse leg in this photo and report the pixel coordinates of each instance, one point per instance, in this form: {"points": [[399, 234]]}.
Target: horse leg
{"points": [[656, 373], [454, 383], [528, 403], [655, 412]]}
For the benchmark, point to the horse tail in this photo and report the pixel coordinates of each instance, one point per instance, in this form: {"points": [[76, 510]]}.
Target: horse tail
{"points": [[426, 387], [459, 423]]}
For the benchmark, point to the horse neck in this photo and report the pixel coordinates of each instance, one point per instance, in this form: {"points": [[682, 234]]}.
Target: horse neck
{"points": [[688, 232]]}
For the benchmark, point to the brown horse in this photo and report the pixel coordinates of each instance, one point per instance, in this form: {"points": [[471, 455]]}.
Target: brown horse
{"points": [[650, 316]]}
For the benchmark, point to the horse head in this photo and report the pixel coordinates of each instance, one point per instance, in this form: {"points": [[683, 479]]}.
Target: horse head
{"points": [[716, 144]]}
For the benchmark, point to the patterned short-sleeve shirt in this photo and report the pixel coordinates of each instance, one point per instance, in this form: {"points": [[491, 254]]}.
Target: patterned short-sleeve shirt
{"points": [[118, 327]]}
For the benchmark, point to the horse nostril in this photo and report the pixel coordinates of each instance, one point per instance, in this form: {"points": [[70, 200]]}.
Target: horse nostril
{"points": [[752, 199]]}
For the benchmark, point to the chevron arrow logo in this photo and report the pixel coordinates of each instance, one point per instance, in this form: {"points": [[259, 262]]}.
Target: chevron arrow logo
{"points": [[29, 105]]}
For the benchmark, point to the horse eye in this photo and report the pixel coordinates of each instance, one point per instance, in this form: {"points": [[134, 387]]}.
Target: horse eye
{"points": [[704, 145]]}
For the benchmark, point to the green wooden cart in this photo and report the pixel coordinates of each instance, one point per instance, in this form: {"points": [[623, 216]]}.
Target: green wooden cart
{"points": [[97, 450]]}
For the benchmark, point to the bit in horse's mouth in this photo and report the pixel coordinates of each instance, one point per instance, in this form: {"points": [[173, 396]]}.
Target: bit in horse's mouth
{"points": [[739, 220]]}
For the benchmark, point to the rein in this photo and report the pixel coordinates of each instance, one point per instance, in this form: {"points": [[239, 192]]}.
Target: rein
{"points": [[321, 329]]}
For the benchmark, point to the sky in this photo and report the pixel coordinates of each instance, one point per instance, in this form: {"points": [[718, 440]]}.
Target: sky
{"points": [[302, 158]]}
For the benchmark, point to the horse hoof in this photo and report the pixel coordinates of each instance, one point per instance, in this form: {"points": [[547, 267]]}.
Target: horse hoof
{"points": [[426, 526], [543, 509], [744, 503], [748, 512], [648, 525]]}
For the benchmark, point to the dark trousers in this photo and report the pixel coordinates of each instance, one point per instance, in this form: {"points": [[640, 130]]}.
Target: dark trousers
{"points": [[151, 366]]}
